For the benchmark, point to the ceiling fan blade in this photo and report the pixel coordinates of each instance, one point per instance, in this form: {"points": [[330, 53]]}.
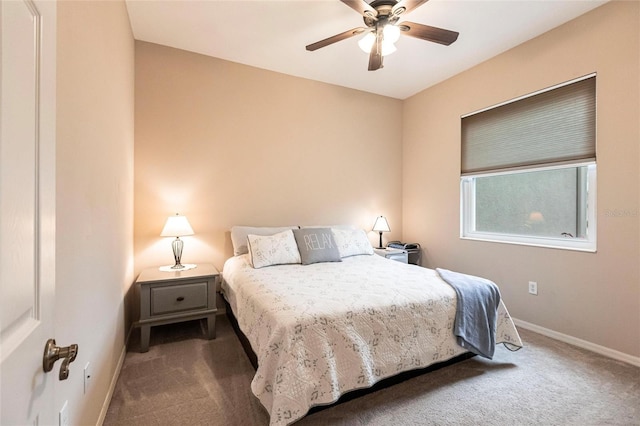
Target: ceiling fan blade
{"points": [[362, 7], [406, 6], [375, 57], [425, 32], [333, 39]]}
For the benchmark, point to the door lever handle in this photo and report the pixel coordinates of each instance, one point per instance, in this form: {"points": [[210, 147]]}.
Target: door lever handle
{"points": [[52, 353]]}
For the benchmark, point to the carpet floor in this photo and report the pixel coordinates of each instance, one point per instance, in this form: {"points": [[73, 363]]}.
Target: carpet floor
{"points": [[185, 379]]}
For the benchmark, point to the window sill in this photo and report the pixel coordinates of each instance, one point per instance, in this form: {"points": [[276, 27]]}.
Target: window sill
{"points": [[553, 243]]}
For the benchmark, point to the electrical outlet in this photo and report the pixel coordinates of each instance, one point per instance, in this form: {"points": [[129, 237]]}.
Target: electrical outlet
{"points": [[87, 377], [63, 416], [533, 288]]}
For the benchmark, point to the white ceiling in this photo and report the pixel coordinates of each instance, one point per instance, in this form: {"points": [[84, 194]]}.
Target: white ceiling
{"points": [[272, 34]]}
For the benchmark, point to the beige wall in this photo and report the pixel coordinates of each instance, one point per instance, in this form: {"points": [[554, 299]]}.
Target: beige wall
{"points": [[94, 214], [227, 144], [594, 297]]}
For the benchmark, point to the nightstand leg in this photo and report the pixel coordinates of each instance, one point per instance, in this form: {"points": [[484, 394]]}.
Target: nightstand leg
{"points": [[145, 331], [211, 326]]}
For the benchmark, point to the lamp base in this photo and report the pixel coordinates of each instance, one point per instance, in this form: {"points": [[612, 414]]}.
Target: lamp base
{"points": [[171, 268]]}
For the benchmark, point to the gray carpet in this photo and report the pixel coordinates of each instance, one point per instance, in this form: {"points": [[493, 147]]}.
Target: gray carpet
{"points": [[187, 380]]}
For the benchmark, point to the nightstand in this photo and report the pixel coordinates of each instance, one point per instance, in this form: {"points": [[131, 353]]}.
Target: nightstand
{"points": [[169, 297], [398, 255]]}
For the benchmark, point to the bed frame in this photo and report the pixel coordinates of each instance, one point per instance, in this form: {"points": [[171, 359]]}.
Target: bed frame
{"points": [[384, 383]]}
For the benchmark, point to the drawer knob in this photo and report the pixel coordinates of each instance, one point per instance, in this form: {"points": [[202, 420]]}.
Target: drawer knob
{"points": [[180, 299]]}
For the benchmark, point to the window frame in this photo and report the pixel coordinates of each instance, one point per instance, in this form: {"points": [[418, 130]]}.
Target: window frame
{"points": [[468, 208]]}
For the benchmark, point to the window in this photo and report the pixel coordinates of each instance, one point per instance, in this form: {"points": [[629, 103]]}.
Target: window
{"points": [[528, 170]]}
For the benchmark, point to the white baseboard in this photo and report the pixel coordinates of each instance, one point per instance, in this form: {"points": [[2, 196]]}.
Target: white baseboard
{"points": [[114, 381], [602, 350]]}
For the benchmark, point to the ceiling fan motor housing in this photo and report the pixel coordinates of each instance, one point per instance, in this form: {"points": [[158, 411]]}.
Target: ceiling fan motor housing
{"points": [[385, 13]]}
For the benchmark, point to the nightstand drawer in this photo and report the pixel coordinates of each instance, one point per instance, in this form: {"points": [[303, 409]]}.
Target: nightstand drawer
{"points": [[184, 297]]}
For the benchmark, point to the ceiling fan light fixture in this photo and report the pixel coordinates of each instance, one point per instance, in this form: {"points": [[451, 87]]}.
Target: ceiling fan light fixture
{"points": [[366, 44], [391, 33], [388, 48]]}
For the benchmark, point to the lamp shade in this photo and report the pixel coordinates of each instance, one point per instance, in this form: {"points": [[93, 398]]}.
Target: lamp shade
{"points": [[176, 226], [391, 33], [366, 43], [381, 224]]}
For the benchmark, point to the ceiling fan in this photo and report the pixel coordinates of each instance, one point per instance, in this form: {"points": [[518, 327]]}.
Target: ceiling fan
{"points": [[383, 29]]}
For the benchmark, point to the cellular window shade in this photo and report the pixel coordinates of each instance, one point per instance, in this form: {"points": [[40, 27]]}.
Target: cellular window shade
{"points": [[555, 126]]}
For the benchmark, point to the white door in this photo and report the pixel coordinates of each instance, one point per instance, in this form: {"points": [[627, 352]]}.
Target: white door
{"points": [[27, 210]]}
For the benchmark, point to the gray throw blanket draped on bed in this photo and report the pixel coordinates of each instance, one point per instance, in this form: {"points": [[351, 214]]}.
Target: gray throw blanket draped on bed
{"points": [[476, 311]]}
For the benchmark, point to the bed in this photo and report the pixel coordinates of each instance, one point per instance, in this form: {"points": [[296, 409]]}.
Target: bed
{"points": [[325, 328]]}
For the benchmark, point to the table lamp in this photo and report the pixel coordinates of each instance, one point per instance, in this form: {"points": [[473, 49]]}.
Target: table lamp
{"points": [[177, 226], [381, 225]]}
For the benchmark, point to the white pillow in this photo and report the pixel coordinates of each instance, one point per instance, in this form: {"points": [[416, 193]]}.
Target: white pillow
{"points": [[328, 226], [352, 242], [239, 235], [278, 249]]}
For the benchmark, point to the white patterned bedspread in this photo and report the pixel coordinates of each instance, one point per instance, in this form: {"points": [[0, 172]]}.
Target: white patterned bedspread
{"points": [[321, 330]]}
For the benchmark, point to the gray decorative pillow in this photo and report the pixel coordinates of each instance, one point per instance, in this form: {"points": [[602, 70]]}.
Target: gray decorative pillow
{"points": [[316, 245]]}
